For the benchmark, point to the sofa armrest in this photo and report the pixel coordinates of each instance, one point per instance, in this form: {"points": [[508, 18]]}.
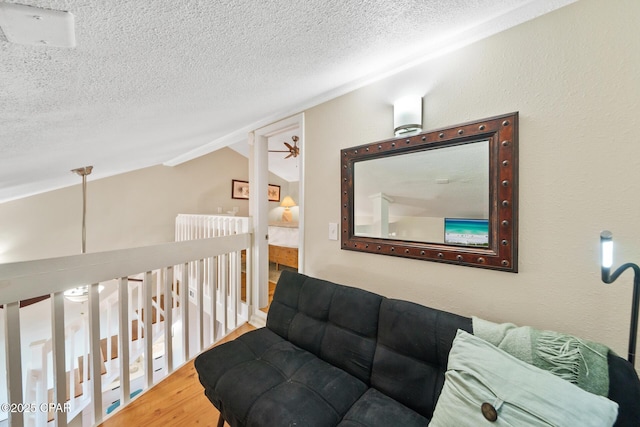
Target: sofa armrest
{"points": [[624, 388]]}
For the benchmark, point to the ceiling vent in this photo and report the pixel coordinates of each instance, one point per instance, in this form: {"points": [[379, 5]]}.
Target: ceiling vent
{"points": [[35, 26]]}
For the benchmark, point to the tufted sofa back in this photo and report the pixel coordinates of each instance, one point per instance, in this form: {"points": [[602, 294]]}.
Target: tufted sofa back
{"points": [[412, 352], [339, 324], [398, 347]]}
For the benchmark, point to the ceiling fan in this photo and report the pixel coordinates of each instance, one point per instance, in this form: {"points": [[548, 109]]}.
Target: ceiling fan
{"points": [[293, 150]]}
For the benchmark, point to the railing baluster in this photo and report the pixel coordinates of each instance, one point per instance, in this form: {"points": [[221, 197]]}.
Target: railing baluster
{"points": [[168, 319], [184, 310], [157, 285], [232, 289], [86, 350], [211, 285], [109, 349], [96, 357], [237, 285], [42, 393], [248, 281], [58, 353], [14, 361], [124, 329], [72, 367], [147, 318], [224, 292], [200, 303], [139, 310]]}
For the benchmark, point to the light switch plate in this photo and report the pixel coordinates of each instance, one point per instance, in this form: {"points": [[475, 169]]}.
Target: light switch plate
{"points": [[333, 231]]}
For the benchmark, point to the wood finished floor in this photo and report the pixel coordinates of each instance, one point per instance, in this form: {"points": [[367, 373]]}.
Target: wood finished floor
{"points": [[178, 400]]}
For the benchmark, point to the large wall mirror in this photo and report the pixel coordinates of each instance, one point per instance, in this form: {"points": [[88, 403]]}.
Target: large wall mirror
{"points": [[448, 195]]}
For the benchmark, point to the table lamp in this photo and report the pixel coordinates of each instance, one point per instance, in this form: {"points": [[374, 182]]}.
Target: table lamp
{"points": [[287, 203]]}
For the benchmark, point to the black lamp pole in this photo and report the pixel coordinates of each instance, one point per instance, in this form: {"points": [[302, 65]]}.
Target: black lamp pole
{"points": [[606, 243]]}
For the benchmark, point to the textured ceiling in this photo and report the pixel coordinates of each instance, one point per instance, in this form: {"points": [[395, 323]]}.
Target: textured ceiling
{"points": [[161, 81]]}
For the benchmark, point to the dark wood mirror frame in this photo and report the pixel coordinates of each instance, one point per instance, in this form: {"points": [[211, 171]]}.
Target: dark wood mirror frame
{"points": [[502, 252]]}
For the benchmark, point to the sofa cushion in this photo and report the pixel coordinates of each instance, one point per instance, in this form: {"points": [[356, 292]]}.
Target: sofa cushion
{"points": [[282, 384], [375, 409], [411, 355], [337, 323], [486, 386]]}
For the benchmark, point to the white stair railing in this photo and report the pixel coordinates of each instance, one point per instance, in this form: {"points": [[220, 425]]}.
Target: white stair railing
{"points": [[222, 275], [170, 265]]}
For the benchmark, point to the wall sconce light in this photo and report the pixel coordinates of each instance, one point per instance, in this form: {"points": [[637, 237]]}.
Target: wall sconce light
{"points": [[407, 115], [287, 203], [606, 245]]}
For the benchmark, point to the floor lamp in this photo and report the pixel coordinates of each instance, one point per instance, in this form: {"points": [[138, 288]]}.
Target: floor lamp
{"points": [[606, 245]]}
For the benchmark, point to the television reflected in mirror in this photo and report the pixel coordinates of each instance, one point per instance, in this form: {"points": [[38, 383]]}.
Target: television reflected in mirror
{"points": [[466, 232]]}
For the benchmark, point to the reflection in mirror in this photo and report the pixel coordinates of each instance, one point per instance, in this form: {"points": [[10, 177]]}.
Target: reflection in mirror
{"points": [[409, 196], [448, 195]]}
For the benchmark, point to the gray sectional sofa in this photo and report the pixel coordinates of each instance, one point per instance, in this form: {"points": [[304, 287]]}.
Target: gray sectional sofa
{"points": [[333, 355]]}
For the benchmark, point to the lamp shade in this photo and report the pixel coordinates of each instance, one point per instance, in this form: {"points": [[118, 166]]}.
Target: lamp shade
{"points": [[407, 115], [287, 202]]}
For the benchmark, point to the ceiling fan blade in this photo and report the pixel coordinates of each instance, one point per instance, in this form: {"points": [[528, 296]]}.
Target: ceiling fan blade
{"points": [[293, 150]]}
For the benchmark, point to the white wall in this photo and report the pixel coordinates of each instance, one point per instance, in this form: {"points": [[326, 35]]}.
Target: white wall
{"points": [[573, 76]]}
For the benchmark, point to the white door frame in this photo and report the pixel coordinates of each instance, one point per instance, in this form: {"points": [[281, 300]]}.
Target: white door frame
{"points": [[259, 209]]}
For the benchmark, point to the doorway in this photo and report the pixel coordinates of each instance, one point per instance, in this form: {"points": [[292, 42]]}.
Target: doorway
{"points": [[284, 210], [269, 214]]}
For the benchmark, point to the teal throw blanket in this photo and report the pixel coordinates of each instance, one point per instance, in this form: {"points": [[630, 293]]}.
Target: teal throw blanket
{"points": [[581, 362]]}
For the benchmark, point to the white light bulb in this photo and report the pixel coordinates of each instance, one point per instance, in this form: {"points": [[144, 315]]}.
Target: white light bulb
{"points": [[607, 253]]}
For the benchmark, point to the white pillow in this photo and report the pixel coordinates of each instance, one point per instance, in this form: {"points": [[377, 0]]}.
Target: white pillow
{"points": [[484, 383]]}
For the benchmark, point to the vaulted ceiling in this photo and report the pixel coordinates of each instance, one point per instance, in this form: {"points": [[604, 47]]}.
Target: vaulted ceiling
{"points": [[159, 82]]}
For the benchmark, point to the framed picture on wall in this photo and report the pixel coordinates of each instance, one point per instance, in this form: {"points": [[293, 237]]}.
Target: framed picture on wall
{"points": [[240, 190], [274, 193]]}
